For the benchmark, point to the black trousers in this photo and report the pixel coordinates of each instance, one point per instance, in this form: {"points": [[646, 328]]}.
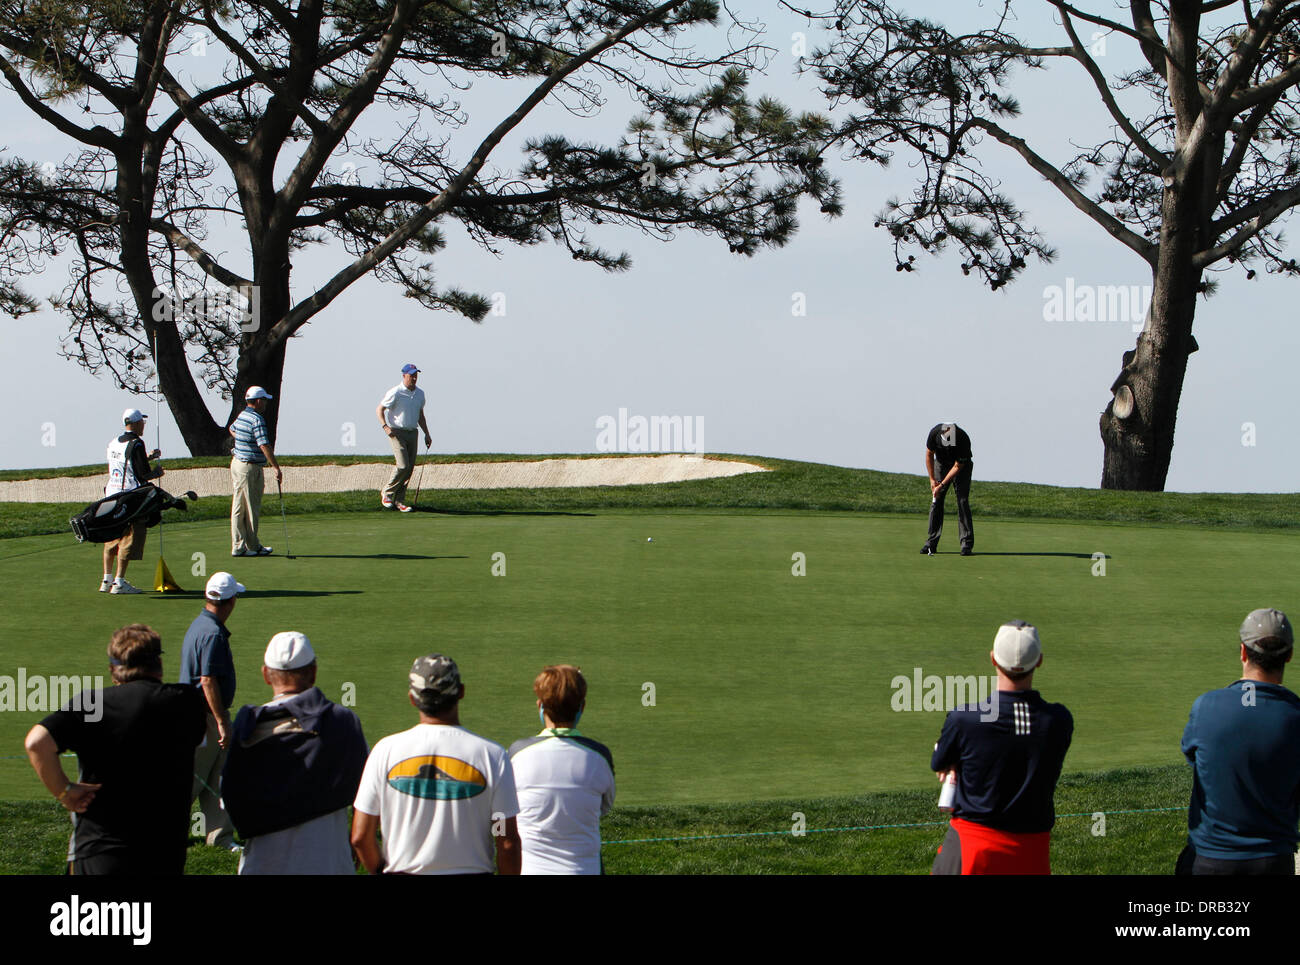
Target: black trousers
{"points": [[965, 528], [131, 861], [1191, 863], [948, 860]]}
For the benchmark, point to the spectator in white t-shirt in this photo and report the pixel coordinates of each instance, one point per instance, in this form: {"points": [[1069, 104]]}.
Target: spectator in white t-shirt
{"points": [[445, 798], [565, 781]]}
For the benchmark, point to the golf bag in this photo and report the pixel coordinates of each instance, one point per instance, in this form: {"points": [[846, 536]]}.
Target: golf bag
{"points": [[108, 519]]}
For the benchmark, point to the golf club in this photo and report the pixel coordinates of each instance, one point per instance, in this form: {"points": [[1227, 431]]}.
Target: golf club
{"points": [[419, 479], [283, 520]]}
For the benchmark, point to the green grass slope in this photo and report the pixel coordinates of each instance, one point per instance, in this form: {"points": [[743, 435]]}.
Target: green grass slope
{"points": [[789, 485]]}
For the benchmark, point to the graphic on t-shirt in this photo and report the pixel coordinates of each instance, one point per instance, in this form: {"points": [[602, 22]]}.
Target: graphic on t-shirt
{"points": [[436, 777]]}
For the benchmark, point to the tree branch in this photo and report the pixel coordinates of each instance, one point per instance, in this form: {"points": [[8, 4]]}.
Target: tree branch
{"points": [[1269, 209], [1153, 48], [328, 136], [304, 310], [97, 136], [1108, 98], [207, 128], [198, 255], [1076, 197]]}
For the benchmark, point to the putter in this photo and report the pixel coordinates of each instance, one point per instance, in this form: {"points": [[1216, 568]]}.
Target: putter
{"points": [[284, 520]]}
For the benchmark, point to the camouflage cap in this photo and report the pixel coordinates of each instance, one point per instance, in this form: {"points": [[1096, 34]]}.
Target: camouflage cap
{"points": [[1267, 631], [434, 679]]}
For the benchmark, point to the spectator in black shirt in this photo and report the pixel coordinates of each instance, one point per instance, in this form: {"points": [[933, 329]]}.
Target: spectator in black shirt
{"points": [[948, 463], [135, 751]]}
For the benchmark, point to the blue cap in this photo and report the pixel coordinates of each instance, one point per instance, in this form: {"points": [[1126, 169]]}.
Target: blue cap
{"points": [[408, 369]]}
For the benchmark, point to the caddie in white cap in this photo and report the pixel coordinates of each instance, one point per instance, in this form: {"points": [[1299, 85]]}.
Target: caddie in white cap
{"points": [[294, 768], [128, 468], [251, 453]]}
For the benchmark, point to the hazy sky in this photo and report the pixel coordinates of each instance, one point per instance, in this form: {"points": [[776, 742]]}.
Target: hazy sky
{"points": [[693, 331]]}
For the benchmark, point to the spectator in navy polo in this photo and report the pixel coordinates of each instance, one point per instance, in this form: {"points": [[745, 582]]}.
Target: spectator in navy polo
{"points": [[208, 665]]}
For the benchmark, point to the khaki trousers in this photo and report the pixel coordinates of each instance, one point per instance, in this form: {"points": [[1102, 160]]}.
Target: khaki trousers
{"points": [[209, 760], [405, 448], [246, 484]]}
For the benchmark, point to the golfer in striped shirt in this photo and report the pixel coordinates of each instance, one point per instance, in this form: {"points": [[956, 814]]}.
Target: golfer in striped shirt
{"points": [[252, 453]]}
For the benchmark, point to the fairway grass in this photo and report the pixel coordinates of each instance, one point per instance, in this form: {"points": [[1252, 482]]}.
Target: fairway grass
{"points": [[733, 691], [716, 674]]}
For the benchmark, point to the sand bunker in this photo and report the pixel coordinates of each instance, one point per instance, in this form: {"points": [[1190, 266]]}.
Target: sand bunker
{"points": [[539, 474]]}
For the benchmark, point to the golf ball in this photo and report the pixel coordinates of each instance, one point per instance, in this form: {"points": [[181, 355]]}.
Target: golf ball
{"points": [[649, 539]]}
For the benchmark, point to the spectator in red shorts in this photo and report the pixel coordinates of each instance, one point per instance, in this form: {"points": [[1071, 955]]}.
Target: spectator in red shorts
{"points": [[1006, 765]]}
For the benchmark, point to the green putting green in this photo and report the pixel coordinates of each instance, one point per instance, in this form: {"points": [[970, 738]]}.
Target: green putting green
{"points": [[717, 674]]}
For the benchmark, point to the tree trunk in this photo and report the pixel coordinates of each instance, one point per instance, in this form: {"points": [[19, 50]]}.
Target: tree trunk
{"points": [[260, 363], [1137, 427], [201, 434], [264, 367]]}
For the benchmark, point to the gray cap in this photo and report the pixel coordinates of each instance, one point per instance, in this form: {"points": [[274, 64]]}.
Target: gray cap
{"points": [[434, 679], [1267, 631], [1016, 648]]}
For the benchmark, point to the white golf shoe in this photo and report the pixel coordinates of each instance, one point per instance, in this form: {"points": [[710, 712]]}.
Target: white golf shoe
{"points": [[122, 586]]}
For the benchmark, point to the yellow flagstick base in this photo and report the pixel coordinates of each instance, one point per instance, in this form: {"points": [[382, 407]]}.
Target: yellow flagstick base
{"points": [[163, 582]]}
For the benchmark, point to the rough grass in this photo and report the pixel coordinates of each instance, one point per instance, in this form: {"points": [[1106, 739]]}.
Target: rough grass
{"points": [[1144, 828], [789, 486]]}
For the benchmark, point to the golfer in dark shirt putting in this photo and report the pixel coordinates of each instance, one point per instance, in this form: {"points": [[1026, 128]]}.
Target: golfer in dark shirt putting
{"points": [[948, 463]]}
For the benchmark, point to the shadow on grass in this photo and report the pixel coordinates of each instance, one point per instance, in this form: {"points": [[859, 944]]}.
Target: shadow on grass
{"points": [[432, 510], [1073, 556], [371, 556], [254, 594]]}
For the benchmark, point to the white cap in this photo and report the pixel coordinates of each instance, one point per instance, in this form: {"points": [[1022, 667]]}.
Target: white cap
{"points": [[257, 392], [132, 415], [289, 651], [1016, 648], [223, 586]]}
